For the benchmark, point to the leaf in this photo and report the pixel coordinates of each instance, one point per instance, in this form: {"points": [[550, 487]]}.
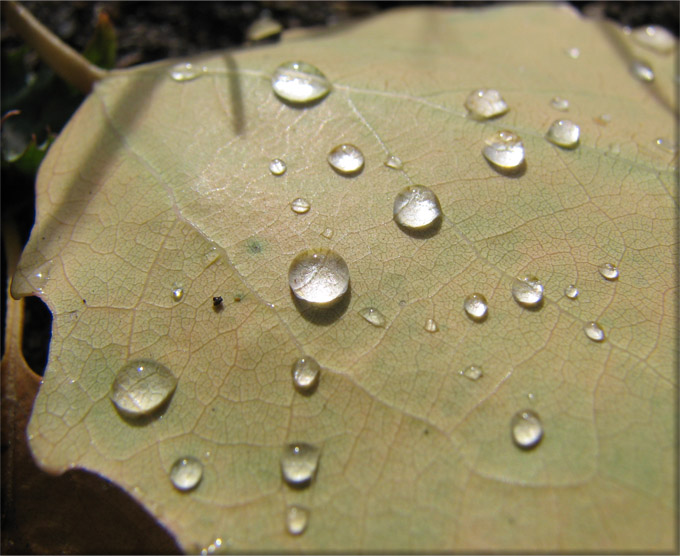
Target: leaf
{"points": [[157, 185]]}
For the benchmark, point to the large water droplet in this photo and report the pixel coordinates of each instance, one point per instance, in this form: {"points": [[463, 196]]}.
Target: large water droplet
{"points": [[485, 103], [372, 315], [526, 429], [300, 205], [306, 372], [298, 463], [473, 372], [277, 167], [476, 307], [564, 133], [141, 387], [431, 325], [504, 150], [299, 83], [573, 53], [416, 207], [177, 292], [186, 473], [559, 103], [186, 71], [655, 38], [528, 291], [594, 332], [609, 272], [571, 291], [318, 276], [296, 519], [394, 162], [642, 71], [346, 159]]}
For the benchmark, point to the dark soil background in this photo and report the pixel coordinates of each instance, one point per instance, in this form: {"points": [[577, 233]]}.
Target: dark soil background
{"points": [[146, 32]]}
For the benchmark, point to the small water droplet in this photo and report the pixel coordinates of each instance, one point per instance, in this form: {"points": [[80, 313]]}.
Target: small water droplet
{"points": [[571, 291], [654, 37], [186, 473], [263, 28], [476, 306], [141, 387], [186, 71], [431, 325], [306, 372], [642, 71], [346, 159], [416, 207], [528, 291], [564, 133], [327, 233], [473, 372], [394, 162], [177, 293], [609, 271], [573, 53], [504, 150], [603, 119], [526, 428], [318, 276], [300, 205], [559, 103], [531, 396], [296, 519], [298, 463], [372, 315], [483, 104], [299, 83], [666, 145], [594, 332], [277, 167]]}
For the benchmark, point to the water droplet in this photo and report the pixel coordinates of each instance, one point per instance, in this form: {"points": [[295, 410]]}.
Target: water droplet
{"points": [[431, 325], [563, 133], [263, 28], [277, 167], [504, 150], [642, 71], [186, 71], [298, 463], [571, 291], [666, 145], [609, 271], [318, 276], [141, 387], [372, 315], [483, 104], [394, 162], [299, 83], [327, 233], [602, 119], [528, 291], [473, 372], [531, 396], [300, 205], [306, 374], [476, 307], [177, 293], [296, 519], [526, 428], [416, 207], [654, 37], [186, 473], [346, 159], [594, 332], [573, 53], [561, 104]]}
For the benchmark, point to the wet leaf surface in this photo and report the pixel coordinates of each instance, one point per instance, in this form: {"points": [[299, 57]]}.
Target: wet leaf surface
{"points": [[158, 186]]}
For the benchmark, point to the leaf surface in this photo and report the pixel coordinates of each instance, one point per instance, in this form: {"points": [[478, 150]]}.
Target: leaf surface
{"points": [[157, 184]]}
